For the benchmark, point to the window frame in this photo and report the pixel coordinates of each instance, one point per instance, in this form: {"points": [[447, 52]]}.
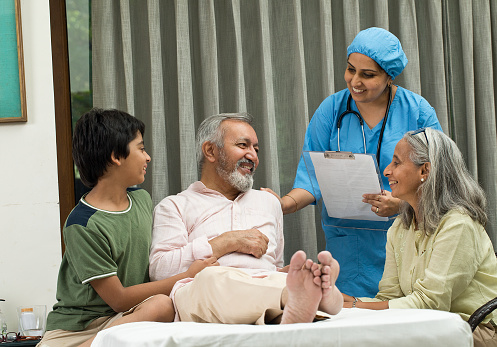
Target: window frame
{"points": [[62, 102]]}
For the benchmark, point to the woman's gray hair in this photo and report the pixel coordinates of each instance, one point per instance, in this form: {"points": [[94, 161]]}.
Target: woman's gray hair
{"points": [[210, 130], [449, 184]]}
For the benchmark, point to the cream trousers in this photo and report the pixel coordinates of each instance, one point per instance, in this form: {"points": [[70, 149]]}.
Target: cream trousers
{"points": [[228, 295]]}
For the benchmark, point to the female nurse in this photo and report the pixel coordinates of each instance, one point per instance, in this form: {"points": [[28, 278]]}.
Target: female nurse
{"points": [[375, 58]]}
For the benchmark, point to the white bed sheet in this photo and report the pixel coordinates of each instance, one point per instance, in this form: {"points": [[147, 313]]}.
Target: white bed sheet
{"points": [[351, 327]]}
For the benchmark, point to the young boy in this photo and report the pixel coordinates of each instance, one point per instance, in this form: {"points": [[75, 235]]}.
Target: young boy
{"points": [[103, 278]]}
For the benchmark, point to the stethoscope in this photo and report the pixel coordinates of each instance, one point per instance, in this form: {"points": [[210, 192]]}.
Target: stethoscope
{"points": [[361, 121]]}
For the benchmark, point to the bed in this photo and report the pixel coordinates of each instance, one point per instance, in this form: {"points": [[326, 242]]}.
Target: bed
{"points": [[351, 327]]}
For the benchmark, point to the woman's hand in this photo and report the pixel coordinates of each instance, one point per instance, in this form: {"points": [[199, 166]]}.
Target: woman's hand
{"points": [[379, 305], [384, 205], [347, 298], [347, 304]]}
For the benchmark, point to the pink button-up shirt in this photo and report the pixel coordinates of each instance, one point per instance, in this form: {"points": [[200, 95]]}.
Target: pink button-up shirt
{"points": [[184, 223]]}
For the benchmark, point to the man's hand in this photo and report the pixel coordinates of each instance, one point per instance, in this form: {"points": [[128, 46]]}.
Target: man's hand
{"points": [[199, 265], [250, 241]]}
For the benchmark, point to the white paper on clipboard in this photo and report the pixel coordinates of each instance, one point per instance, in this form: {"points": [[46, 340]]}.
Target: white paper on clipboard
{"points": [[343, 177]]}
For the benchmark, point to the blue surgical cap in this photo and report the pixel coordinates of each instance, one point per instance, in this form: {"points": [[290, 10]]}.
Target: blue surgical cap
{"points": [[383, 47]]}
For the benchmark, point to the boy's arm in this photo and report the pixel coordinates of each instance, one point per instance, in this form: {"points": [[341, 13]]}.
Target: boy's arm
{"points": [[121, 299]]}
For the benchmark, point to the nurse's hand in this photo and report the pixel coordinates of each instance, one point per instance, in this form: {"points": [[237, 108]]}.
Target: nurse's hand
{"points": [[384, 205], [269, 190], [288, 205]]}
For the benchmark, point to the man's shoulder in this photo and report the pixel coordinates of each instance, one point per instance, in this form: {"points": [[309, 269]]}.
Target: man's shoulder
{"points": [[263, 197], [180, 199], [192, 191]]}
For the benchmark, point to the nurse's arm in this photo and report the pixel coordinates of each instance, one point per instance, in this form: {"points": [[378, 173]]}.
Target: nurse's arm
{"points": [[295, 200]]}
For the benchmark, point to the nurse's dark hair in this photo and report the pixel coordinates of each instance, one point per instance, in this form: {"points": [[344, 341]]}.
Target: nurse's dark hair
{"points": [[449, 185], [210, 130], [98, 134]]}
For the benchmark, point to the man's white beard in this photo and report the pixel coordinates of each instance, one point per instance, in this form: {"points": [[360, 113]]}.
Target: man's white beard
{"points": [[241, 182]]}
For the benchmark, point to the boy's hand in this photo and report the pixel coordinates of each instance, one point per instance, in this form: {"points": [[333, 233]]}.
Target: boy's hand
{"points": [[284, 269], [199, 265]]}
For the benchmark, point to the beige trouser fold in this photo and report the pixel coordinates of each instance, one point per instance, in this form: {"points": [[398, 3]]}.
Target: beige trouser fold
{"points": [[68, 338], [228, 295]]}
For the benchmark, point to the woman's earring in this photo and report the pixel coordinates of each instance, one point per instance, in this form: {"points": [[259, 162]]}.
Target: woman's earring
{"points": [[422, 180]]}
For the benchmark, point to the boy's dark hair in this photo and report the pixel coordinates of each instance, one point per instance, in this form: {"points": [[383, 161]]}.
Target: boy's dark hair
{"points": [[98, 134]]}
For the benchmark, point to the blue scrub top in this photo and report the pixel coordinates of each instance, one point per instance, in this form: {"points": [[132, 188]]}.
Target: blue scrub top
{"points": [[359, 246]]}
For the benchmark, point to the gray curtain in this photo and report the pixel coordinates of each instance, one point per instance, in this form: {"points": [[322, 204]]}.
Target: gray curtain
{"points": [[172, 63]]}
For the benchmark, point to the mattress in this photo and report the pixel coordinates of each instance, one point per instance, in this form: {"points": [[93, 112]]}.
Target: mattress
{"points": [[351, 327]]}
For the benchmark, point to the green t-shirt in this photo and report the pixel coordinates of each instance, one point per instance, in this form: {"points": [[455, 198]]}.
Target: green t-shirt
{"points": [[100, 244]]}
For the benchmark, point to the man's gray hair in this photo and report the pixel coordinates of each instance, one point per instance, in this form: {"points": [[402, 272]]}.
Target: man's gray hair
{"points": [[210, 130], [449, 184]]}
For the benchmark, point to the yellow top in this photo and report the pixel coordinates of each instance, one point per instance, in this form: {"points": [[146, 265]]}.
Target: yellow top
{"points": [[454, 269], [27, 309]]}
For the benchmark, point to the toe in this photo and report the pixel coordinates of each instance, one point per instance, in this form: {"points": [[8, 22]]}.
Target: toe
{"points": [[325, 257], [298, 260]]}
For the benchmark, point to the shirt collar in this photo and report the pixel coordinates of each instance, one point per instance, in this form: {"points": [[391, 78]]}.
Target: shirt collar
{"points": [[201, 188]]}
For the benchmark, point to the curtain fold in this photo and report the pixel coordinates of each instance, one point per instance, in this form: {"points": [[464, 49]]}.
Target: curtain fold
{"points": [[157, 107], [471, 65], [172, 63]]}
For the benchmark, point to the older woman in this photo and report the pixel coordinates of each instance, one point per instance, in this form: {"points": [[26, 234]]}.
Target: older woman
{"points": [[438, 255]]}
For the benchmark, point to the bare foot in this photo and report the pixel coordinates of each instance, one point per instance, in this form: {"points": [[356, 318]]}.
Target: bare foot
{"points": [[332, 300], [303, 294]]}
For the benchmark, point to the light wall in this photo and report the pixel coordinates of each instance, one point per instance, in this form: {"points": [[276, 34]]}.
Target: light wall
{"points": [[30, 251]]}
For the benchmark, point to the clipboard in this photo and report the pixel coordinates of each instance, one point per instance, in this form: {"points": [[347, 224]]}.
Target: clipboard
{"points": [[342, 178]]}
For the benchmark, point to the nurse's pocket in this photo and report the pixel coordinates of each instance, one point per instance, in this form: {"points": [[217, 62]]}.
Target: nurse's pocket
{"points": [[345, 249]]}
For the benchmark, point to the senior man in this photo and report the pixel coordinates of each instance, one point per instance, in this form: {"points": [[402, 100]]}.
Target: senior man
{"points": [[221, 216]]}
